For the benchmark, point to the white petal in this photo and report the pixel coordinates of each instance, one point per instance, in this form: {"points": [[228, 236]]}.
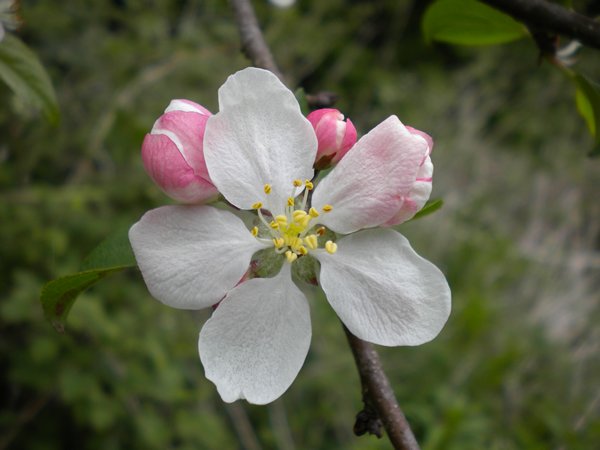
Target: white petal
{"points": [[190, 256], [383, 291], [370, 182], [256, 341], [258, 137]]}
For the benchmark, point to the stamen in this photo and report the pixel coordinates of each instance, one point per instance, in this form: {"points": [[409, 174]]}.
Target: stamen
{"points": [[254, 231], [302, 250], [257, 205], [313, 212], [309, 185], [297, 183], [267, 188], [321, 231], [278, 242], [311, 241], [274, 225], [264, 221], [331, 247], [298, 215], [327, 208], [290, 201], [281, 220], [305, 221], [305, 197], [291, 256]]}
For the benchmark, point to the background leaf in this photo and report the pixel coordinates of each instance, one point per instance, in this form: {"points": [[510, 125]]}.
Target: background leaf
{"points": [[112, 255], [587, 97], [468, 22], [22, 71]]}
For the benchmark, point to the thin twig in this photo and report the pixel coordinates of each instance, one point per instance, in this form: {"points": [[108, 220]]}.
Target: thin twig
{"points": [[379, 399], [253, 43], [243, 426], [381, 406], [552, 18]]}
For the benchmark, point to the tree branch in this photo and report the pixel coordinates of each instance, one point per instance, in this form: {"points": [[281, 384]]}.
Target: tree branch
{"points": [[253, 43], [379, 399], [381, 406], [550, 17]]}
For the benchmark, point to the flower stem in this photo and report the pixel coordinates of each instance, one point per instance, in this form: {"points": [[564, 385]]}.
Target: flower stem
{"points": [[253, 43], [380, 404]]}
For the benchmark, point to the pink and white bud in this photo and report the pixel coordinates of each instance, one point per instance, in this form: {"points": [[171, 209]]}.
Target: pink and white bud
{"points": [[334, 135], [421, 189], [173, 153]]}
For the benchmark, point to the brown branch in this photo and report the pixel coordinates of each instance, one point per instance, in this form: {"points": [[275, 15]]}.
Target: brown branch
{"points": [[380, 402], [253, 43], [381, 406], [551, 18]]}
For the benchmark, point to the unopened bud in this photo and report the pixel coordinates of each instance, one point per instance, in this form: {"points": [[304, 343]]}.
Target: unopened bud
{"points": [[173, 153], [335, 136]]}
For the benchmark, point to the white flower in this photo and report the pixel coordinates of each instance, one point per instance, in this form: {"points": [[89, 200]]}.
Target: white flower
{"points": [[259, 151]]}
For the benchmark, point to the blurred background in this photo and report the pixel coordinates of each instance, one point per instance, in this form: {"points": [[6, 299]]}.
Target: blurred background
{"points": [[516, 367]]}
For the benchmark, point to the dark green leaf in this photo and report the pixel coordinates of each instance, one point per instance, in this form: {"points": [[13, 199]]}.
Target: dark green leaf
{"points": [[114, 251], [22, 71], [59, 295], [112, 255], [469, 22], [430, 207], [587, 97]]}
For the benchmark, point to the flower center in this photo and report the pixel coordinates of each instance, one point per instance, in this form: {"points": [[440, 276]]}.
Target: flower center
{"points": [[294, 233]]}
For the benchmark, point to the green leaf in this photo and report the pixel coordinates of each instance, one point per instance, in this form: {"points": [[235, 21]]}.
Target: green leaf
{"points": [[430, 207], [112, 255], [469, 22], [58, 296], [22, 71], [114, 251], [587, 97]]}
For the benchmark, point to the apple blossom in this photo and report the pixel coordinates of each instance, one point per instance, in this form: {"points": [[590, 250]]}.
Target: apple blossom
{"points": [[259, 152], [334, 136], [421, 189], [173, 153]]}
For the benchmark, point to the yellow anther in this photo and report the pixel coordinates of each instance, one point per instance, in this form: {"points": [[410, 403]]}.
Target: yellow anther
{"points": [[309, 185], [278, 242], [291, 256], [298, 215], [267, 188], [305, 221], [313, 212], [331, 247], [254, 231], [290, 201], [321, 231], [257, 205], [293, 242], [302, 250], [274, 225], [311, 241], [281, 220], [297, 183], [327, 208]]}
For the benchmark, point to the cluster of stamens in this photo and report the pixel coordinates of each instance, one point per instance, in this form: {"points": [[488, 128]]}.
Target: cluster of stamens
{"points": [[292, 233]]}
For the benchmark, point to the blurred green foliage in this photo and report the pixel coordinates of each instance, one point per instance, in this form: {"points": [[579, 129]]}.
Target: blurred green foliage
{"points": [[516, 367]]}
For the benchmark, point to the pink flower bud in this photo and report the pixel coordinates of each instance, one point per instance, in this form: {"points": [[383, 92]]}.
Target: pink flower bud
{"points": [[334, 135], [173, 153], [421, 189]]}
